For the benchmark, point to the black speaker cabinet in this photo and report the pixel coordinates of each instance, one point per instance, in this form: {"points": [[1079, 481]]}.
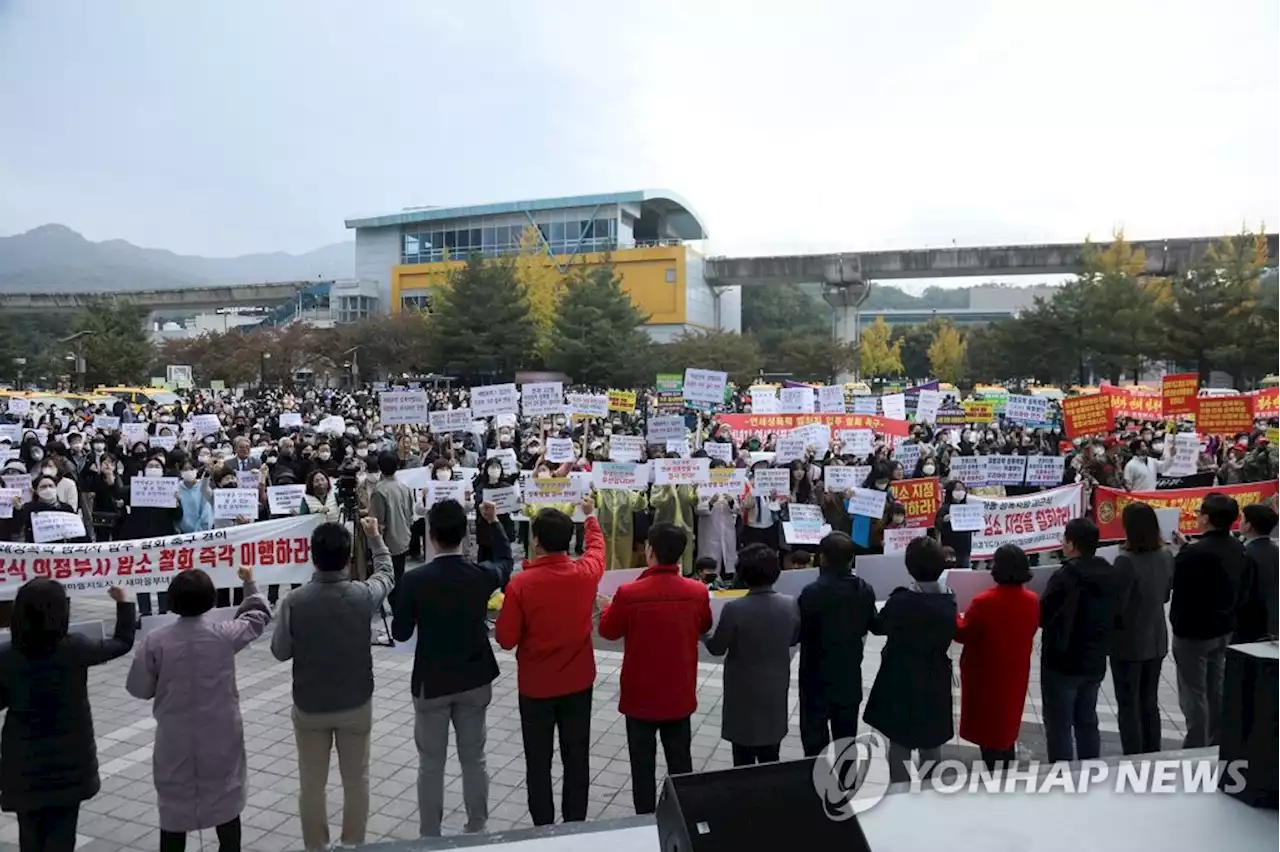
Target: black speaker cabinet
{"points": [[768, 806], [1249, 720]]}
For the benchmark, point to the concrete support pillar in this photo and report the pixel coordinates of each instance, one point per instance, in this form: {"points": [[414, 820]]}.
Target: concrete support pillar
{"points": [[845, 290]]}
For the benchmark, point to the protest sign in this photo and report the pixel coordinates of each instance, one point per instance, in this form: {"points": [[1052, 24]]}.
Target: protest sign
{"points": [[705, 386], [950, 415], [725, 482], [232, 503], [867, 502], [1086, 415], [744, 425], [55, 526], [551, 489], [791, 446], [865, 405], [1266, 403], [505, 499], [771, 482], [764, 400], [134, 433], [796, 400], [589, 404], [908, 454], [111, 424], [559, 450], [804, 524], [1168, 520], [680, 448], [626, 448], [1043, 470], [543, 399], [921, 498], [164, 442], [332, 425], [452, 489], [248, 479], [971, 470], [204, 424], [403, 408], [681, 471], [1034, 522], [840, 478], [1006, 470], [663, 429], [18, 406], [1109, 504], [1186, 455], [927, 406], [1024, 408], [157, 492], [897, 539], [12, 431], [856, 442], [631, 477], [7, 498], [178, 375], [20, 482], [978, 410], [719, 450], [1178, 392], [894, 406], [622, 401], [450, 420], [492, 400], [285, 499], [290, 420], [1224, 415], [1134, 403], [965, 517], [831, 399]]}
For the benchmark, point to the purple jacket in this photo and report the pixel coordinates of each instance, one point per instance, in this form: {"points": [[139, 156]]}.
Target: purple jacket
{"points": [[189, 668]]}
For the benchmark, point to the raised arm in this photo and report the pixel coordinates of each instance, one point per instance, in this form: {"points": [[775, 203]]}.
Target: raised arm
{"points": [[91, 653], [143, 674], [592, 559], [382, 580], [251, 618]]}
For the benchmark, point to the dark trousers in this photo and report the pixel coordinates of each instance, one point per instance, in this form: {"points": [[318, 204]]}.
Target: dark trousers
{"points": [[642, 747], [540, 719], [228, 838], [48, 829], [397, 569], [749, 755], [1137, 685], [998, 758], [821, 722], [144, 603], [417, 537], [1070, 704]]}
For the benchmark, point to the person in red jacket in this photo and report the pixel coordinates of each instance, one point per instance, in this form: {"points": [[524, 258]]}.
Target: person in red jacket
{"points": [[546, 617], [997, 631], [661, 615]]}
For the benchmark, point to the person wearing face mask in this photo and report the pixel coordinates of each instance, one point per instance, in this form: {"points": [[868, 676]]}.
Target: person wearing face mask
{"points": [[324, 459], [391, 504], [195, 508], [1142, 471], [490, 477], [959, 541], [868, 533], [152, 522], [106, 482], [78, 452], [44, 498], [32, 455], [58, 469]]}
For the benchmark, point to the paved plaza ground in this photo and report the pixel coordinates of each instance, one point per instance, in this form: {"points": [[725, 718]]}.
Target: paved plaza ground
{"points": [[123, 815]]}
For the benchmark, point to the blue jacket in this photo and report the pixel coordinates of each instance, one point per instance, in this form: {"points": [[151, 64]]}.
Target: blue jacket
{"points": [[197, 511]]}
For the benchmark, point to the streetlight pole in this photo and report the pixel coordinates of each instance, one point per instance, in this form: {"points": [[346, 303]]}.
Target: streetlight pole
{"points": [[77, 342], [262, 376], [20, 363], [354, 365]]}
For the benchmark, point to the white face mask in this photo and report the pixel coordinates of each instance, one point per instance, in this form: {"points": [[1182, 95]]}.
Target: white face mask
{"points": [[47, 494], [48, 471], [188, 476], [444, 474], [958, 495], [361, 477], [324, 456], [154, 471], [495, 471], [361, 452], [928, 470]]}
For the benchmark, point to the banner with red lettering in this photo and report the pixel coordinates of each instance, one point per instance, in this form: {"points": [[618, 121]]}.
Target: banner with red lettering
{"points": [[1134, 403], [1224, 415], [1087, 415], [921, 497], [1266, 403], [277, 551], [1179, 392], [1033, 522], [1109, 504], [746, 425]]}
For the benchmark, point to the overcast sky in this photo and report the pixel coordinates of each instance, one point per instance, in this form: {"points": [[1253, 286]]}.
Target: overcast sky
{"points": [[235, 126]]}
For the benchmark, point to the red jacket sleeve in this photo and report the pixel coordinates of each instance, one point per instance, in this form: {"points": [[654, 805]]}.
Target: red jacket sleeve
{"points": [[614, 619], [510, 624], [969, 622], [592, 561], [704, 615]]}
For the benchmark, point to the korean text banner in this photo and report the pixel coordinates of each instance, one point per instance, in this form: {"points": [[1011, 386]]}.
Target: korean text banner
{"points": [[277, 551], [1087, 415], [1266, 403], [1134, 403], [744, 425], [1109, 503], [1034, 522], [1224, 415], [921, 497], [1178, 391]]}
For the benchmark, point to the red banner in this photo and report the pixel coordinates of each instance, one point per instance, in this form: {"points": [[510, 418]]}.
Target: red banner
{"points": [[1109, 504], [921, 497], [1179, 393], [1224, 415], [1134, 403], [1266, 403], [1087, 415], [766, 424]]}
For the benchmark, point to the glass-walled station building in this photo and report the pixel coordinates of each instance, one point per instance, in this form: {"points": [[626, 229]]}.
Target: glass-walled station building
{"points": [[650, 236]]}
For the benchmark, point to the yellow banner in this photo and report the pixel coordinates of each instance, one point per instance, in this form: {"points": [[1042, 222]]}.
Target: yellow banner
{"points": [[979, 411], [623, 401]]}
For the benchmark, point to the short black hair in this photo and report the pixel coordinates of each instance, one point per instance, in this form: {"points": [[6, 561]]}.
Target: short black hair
{"points": [[758, 566], [447, 522], [836, 552], [1010, 566], [41, 615], [1220, 509], [192, 593], [668, 542], [925, 562], [1141, 528], [388, 463], [1261, 517], [1082, 533], [330, 547], [553, 529], [707, 565]]}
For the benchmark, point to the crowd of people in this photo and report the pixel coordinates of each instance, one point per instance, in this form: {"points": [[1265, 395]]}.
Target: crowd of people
{"points": [[1093, 614]]}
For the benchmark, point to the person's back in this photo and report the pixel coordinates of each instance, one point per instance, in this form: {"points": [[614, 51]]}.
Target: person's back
{"points": [[391, 502], [1208, 578], [1260, 616], [1142, 633]]}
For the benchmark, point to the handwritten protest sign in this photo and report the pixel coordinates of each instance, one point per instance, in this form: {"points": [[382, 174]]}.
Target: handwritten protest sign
{"points": [[439, 491], [966, 517], [492, 400], [764, 400], [971, 470], [164, 442], [285, 499], [248, 479], [205, 424], [663, 429], [157, 492], [680, 448], [927, 406], [403, 408], [831, 399], [589, 404], [855, 442], [725, 482], [631, 477], [804, 524], [559, 450], [1186, 454], [540, 400], [332, 425], [110, 424], [908, 454], [231, 503], [681, 471], [771, 482], [896, 539], [56, 526], [867, 502], [18, 405], [719, 451], [865, 405], [7, 498], [841, 478], [622, 401], [791, 446], [705, 386], [134, 433], [626, 448], [505, 499]]}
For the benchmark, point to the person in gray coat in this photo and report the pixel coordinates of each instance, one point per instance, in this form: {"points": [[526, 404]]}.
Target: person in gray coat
{"points": [[391, 502], [1141, 638], [755, 634]]}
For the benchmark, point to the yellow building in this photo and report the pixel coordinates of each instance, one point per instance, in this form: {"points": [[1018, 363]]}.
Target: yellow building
{"points": [[648, 235]]}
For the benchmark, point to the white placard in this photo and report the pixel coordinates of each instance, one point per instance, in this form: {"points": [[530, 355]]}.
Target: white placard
{"points": [[164, 442], [106, 423], [831, 399], [290, 420], [553, 489], [7, 496], [1168, 521], [403, 408], [791, 446], [539, 400], [856, 442], [626, 448], [796, 400], [157, 492], [589, 404], [20, 482], [726, 482], [663, 429], [285, 499], [896, 539], [56, 526], [507, 456], [492, 400], [771, 482], [908, 454], [681, 471], [248, 479], [719, 450], [439, 491], [764, 400], [706, 386], [206, 424], [18, 405], [966, 517], [134, 433], [971, 470], [799, 534], [864, 405], [894, 406], [680, 448], [632, 477], [559, 450], [1006, 470], [232, 503], [802, 514], [505, 499], [12, 431], [1186, 455], [1024, 408], [450, 420], [867, 502], [841, 478], [1044, 470], [333, 424], [927, 406]]}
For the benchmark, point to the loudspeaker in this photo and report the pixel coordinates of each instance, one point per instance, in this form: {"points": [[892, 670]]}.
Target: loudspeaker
{"points": [[1248, 726], [766, 806]]}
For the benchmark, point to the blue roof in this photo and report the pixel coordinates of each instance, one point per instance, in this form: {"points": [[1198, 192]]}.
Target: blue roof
{"points": [[682, 218]]}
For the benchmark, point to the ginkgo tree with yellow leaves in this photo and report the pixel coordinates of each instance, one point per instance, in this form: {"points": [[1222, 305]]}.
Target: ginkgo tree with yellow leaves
{"points": [[543, 281], [946, 354], [877, 357]]}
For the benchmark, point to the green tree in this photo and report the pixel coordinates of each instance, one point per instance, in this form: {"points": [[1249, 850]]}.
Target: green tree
{"points": [[877, 357], [916, 340], [117, 346], [391, 344], [481, 329], [734, 354], [811, 357], [597, 337], [946, 354], [783, 309]]}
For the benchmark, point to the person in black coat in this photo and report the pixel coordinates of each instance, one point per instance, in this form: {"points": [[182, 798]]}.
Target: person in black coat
{"points": [[48, 755], [910, 702], [836, 611], [151, 522], [44, 498], [489, 477], [1079, 610], [1259, 616]]}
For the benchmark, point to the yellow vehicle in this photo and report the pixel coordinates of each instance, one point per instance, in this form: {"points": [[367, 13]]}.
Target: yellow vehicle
{"points": [[1269, 382], [857, 389], [1050, 391], [138, 397]]}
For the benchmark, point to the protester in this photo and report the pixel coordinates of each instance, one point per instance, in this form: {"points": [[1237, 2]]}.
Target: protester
{"points": [[1209, 583], [755, 634], [676, 504], [661, 616], [446, 603], [997, 631], [1141, 639], [198, 762], [1258, 617], [910, 701], [195, 505], [836, 612], [324, 628], [319, 498], [617, 511], [546, 617], [960, 541], [48, 754], [44, 499], [391, 505]]}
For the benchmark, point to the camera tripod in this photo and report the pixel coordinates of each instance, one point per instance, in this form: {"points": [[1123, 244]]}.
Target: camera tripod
{"points": [[347, 513]]}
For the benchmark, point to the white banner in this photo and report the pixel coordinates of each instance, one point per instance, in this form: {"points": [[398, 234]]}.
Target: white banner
{"points": [[631, 477], [157, 492], [1044, 470], [589, 404], [1034, 522], [831, 399], [277, 551], [705, 386], [232, 503], [681, 471], [796, 400], [626, 448], [492, 400], [452, 420], [543, 399], [403, 408], [764, 400], [285, 499]]}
